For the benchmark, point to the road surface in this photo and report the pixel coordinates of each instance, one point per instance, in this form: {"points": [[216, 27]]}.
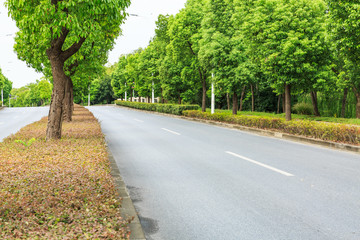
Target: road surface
{"points": [[195, 181], [13, 119]]}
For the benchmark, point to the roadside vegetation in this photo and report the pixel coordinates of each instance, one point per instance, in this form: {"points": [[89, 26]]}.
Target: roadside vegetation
{"points": [[59, 189], [328, 129]]}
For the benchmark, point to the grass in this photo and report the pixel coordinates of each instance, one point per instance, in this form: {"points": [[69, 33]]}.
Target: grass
{"points": [[59, 189], [352, 121]]}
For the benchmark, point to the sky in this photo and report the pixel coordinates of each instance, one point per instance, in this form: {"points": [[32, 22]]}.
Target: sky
{"points": [[137, 32]]}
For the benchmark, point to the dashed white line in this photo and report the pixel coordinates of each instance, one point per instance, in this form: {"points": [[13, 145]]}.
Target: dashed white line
{"points": [[171, 131], [261, 164], [138, 120]]}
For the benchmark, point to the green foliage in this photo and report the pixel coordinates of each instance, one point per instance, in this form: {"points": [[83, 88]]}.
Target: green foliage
{"points": [[33, 94], [26, 144], [156, 107], [303, 108], [319, 130], [6, 86]]}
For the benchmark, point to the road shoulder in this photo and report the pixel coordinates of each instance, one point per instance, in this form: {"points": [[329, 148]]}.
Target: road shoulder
{"points": [[127, 206]]}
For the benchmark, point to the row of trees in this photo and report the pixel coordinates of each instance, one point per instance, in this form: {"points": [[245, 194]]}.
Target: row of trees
{"points": [[33, 94], [5, 88], [68, 41], [270, 49]]}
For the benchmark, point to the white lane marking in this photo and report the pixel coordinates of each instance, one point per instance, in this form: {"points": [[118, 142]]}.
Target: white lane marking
{"points": [[138, 120], [171, 131], [261, 164]]}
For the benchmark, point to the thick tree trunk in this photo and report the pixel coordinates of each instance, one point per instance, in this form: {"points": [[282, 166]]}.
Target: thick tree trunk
{"points": [[203, 102], [343, 105], [179, 100], [235, 104], [68, 100], [55, 118], [242, 98], [315, 103], [252, 98], [287, 102]]}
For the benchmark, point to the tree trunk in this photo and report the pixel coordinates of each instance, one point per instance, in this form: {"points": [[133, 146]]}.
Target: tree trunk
{"points": [[287, 102], [203, 102], [242, 98], [343, 105], [235, 104], [228, 101], [68, 100], [278, 105], [55, 118], [162, 97], [252, 98], [357, 105], [179, 100], [315, 103]]}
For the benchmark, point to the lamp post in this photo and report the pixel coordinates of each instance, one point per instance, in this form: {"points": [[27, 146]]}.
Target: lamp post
{"points": [[125, 93], [212, 95], [2, 96], [152, 93], [9, 100]]}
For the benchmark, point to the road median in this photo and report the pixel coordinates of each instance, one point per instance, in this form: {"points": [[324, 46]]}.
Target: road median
{"points": [[61, 188]]}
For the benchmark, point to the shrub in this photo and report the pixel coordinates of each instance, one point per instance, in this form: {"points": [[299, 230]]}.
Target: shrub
{"points": [[303, 108], [176, 109], [319, 130]]}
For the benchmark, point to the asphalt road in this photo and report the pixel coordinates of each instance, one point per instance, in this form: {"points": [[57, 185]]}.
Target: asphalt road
{"points": [[195, 181], [13, 119]]}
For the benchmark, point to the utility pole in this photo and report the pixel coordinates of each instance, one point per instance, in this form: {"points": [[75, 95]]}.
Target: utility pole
{"points": [[212, 95]]}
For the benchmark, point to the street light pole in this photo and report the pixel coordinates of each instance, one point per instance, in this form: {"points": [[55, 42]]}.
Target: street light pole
{"points": [[125, 93], [152, 93], [2, 97], [212, 95]]}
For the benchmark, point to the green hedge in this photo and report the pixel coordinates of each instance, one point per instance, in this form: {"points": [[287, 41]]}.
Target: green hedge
{"points": [[319, 130], [157, 107]]}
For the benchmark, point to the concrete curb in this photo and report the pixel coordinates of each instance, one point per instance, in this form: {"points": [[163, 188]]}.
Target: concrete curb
{"points": [[262, 132], [127, 206], [1, 108]]}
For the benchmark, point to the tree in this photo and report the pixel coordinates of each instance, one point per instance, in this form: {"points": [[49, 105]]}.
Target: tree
{"points": [[5, 86], [51, 33], [344, 28], [184, 34], [288, 38]]}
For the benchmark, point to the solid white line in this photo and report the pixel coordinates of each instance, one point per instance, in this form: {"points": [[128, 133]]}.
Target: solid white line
{"points": [[138, 120], [261, 164], [171, 131]]}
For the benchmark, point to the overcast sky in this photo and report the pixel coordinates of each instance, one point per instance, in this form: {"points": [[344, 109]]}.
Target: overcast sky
{"points": [[137, 32]]}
